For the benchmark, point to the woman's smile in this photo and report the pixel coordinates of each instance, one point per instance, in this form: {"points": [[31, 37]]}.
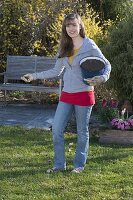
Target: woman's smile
{"points": [[73, 28]]}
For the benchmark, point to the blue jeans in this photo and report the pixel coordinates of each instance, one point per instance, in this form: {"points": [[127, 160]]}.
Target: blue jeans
{"points": [[62, 115]]}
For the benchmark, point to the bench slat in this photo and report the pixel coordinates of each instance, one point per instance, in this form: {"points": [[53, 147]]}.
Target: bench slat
{"points": [[20, 64], [17, 66], [29, 87]]}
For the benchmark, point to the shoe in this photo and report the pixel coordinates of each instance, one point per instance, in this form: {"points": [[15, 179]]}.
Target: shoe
{"points": [[52, 170], [78, 170]]}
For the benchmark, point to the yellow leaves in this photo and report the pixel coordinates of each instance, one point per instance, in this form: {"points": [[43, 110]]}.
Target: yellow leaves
{"points": [[61, 17], [21, 20], [13, 26], [36, 25], [37, 45], [92, 27]]}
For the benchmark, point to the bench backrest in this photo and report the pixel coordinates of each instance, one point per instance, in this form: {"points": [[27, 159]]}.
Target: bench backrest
{"points": [[17, 66]]}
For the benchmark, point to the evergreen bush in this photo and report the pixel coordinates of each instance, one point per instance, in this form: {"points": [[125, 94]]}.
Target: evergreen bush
{"points": [[119, 51]]}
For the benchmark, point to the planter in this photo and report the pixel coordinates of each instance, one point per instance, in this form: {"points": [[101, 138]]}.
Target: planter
{"points": [[116, 137]]}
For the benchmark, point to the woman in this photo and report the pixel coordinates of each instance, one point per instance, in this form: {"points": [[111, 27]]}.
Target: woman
{"points": [[76, 95]]}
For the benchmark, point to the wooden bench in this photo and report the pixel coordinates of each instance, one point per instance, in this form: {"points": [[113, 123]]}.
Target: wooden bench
{"points": [[17, 66]]}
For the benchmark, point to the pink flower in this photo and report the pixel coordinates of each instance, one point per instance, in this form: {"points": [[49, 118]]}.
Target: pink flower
{"points": [[122, 124], [130, 121], [113, 103], [127, 125], [115, 121], [104, 103]]}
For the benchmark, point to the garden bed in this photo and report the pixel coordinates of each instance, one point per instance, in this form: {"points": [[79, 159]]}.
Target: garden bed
{"points": [[116, 136]]}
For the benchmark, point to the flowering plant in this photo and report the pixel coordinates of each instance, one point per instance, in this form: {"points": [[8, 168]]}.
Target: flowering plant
{"points": [[122, 123], [113, 103], [108, 110]]}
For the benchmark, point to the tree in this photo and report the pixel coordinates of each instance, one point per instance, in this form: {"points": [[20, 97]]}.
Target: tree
{"points": [[119, 50], [113, 10], [18, 24], [31, 27]]}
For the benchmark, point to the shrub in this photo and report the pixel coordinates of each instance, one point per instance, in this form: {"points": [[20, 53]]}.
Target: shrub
{"points": [[108, 110], [33, 27], [119, 51]]}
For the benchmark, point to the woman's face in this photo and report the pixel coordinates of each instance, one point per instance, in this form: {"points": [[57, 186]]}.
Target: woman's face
{"points": [[73, 28]]}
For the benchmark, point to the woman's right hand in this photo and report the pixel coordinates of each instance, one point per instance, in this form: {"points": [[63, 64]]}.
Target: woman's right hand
{"points": [[27, 78]]}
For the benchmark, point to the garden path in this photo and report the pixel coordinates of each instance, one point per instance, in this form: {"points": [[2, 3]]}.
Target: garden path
{"points": [[27, 115], [32, 115]]}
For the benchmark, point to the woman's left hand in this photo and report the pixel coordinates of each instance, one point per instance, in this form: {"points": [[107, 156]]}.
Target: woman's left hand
{"points": [[96, 80]]}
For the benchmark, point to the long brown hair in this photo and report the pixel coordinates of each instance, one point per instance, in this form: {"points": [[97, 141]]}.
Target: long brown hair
{"points": [[66, 44]]}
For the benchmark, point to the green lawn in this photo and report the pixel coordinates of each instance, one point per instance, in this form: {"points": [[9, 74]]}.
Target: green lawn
{"points": [[25, 155]]}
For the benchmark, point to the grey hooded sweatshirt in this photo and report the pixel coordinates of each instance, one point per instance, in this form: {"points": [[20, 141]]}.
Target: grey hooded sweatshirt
{"points": [[72, 76]]}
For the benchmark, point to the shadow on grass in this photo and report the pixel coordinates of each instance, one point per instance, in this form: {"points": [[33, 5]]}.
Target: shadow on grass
{"points": [[35, 140], [40, 169], [25, 172], [108, 158], [109, 153]]}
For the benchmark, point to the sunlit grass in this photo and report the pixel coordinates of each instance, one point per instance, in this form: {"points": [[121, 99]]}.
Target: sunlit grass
{"points": [[25, 155]]}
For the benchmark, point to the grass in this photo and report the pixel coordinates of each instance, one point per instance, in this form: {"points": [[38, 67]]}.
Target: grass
{"points": [[25, 155]]}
